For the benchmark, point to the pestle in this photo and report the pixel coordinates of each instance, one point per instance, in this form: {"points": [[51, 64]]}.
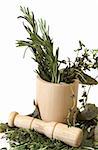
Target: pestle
{"points": [[70, 135]]}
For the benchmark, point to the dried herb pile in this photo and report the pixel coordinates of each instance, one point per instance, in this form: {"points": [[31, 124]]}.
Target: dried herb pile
{"points": [[21, 139]]}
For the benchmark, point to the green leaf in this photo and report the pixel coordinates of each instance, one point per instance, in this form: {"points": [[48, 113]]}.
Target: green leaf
{"points": [[3, 127], [21, 147], [96, 50], [88, 79], [90, 112]]}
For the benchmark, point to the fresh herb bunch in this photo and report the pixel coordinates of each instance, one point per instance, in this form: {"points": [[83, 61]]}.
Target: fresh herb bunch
{"points": [[48, 63], [85, 60]]}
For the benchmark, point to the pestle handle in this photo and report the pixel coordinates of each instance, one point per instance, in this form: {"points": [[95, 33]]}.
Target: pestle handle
{"points": [[70, 135], [43, 127]]}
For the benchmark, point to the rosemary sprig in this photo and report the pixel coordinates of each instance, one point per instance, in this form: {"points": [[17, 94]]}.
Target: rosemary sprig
{"points": [[41, 46]]}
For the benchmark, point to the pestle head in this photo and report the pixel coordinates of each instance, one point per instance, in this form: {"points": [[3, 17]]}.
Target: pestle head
{"points": [[70, 135], [11, 118]]}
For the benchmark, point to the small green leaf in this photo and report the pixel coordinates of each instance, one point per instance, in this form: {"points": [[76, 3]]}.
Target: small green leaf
{"points": [[90, 112], [96, 50], [88, 79]]}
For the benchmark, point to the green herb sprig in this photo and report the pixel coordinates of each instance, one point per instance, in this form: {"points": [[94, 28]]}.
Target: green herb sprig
{"points": [[41, 46]]}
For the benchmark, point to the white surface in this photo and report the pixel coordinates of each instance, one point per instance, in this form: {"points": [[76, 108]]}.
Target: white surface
{"points": [[3, 142], [69, 22]]}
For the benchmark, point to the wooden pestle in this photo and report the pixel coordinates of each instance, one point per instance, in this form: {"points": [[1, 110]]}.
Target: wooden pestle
{"points": [[70, 135]]}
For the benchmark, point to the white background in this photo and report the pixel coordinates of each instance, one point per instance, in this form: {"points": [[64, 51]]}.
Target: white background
{"points": [[69, 20]]}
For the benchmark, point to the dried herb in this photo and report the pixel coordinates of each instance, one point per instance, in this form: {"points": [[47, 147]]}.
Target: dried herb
{"points": [[41, 45], [21, 139]]}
